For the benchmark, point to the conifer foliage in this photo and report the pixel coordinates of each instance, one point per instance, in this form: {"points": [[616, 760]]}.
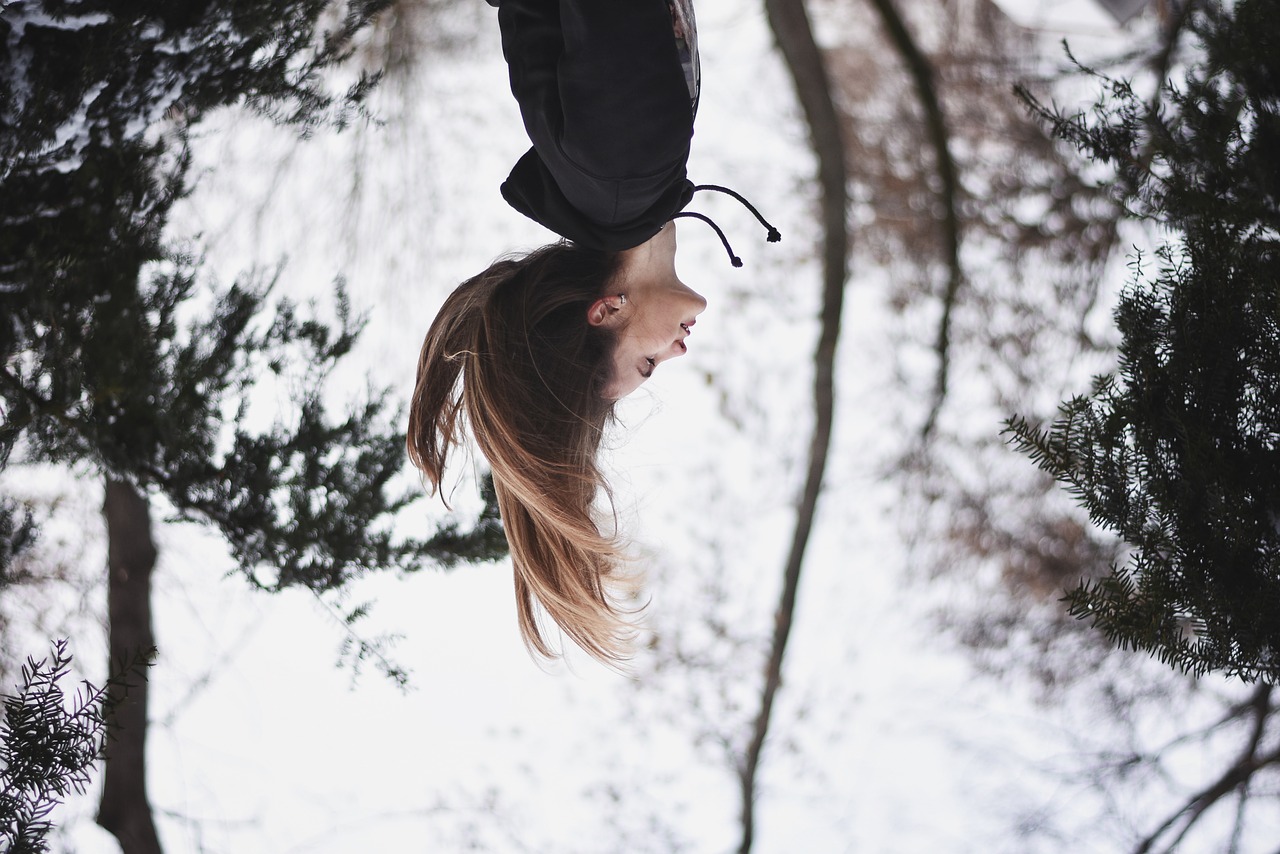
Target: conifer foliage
{"points": [[122, 359], [47, 748], [117, 352], [1178, 451]]}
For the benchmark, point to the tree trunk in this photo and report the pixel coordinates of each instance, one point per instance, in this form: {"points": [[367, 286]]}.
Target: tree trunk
{"points": [[791, 27], [131, 555]]}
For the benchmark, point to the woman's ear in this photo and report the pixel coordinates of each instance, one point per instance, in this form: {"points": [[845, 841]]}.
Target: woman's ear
{"points": [[606, 311]]}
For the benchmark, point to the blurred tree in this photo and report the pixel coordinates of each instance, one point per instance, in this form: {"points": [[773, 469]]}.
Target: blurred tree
{"points": [[1045, 227], [119, 362], [1042, 236], [920, 142], [1179, 453]]}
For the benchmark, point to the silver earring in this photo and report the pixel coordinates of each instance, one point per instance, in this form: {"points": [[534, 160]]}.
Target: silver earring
{"points": [[622, 299]]}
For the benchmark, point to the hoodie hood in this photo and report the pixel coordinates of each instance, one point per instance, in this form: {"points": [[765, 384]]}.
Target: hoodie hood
{"points": [[613, 214]]}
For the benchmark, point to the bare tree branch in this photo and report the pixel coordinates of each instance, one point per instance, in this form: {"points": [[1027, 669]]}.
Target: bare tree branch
{"points": [[1235, 777], [794, 33], [939, 136]]}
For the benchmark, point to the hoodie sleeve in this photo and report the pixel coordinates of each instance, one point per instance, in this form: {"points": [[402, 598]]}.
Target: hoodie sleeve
{"points": [[603, 98]]}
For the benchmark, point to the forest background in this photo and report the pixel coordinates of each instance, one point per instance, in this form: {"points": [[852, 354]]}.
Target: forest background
{"points": [[936, 696]]}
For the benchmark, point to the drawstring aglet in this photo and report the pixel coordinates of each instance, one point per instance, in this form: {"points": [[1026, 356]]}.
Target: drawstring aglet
{"points": [[733, 259], [774, 234]]}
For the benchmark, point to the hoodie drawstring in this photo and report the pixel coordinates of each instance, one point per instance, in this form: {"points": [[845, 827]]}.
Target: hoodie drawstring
{"points": [[773, 236], [733, 259]]}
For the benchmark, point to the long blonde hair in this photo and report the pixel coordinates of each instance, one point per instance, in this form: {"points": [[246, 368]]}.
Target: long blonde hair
{"points": [[511, 353]]}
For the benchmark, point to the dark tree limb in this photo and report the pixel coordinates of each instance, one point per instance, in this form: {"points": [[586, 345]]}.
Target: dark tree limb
{"points": [[1171, 31], [948, 195], [794, 34], [125, 810], [1172, 26], [1234, 778]]}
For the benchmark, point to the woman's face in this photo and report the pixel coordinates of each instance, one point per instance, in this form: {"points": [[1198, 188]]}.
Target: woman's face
{"points": [[652, 309]]}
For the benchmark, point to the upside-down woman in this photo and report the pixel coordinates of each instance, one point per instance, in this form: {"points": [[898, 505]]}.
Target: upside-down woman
{"points": [[533, 352]]}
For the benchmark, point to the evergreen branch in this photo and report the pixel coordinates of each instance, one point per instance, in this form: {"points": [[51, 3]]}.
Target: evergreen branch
{"points": [[43, 407], [47, 749], [355, 646], [18, 531], [1177, 450]]}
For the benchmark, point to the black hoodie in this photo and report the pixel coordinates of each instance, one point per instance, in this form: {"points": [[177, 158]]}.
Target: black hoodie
{"points": [[607, 106]]}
